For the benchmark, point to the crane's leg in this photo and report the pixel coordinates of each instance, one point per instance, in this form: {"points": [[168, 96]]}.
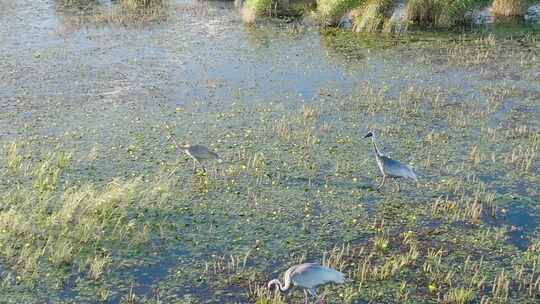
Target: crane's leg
{"points": [[306, 297], [320, 299], [172, 172], [396, 184], [197, 162], [311, 292], [194, 165], [382, 182]]}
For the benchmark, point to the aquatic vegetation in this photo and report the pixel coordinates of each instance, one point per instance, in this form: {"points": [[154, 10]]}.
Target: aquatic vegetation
{"points": [[78, 4], [135, 4], [330, 11], [373, 16], [263, 295], [128, 3], [119, 12], [441, 13], [72, 228], [459, 296], [524, 157], [386, 15], [136, 11], [254, 8]]}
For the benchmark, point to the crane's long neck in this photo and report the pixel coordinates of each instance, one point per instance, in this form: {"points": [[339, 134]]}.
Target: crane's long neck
{"points": [[375, 149], [287, 279], [281, 287], [180, 147]]}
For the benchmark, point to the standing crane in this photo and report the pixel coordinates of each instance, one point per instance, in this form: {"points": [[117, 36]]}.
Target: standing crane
{"points": [[198, 153], [390, 168]]}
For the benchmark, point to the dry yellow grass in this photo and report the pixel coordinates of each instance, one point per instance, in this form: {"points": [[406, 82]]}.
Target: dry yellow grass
{"points": [[248, 15], [508, 7]]}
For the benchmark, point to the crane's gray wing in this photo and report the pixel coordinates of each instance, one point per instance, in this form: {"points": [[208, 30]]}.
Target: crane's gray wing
{"points": [[202, 152], [396, 169], [311, 275], [198, 149]]}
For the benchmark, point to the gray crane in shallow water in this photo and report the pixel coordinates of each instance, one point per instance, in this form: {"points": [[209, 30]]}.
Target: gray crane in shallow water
{"points": [[198, 153], [390, 168], [308, 276]]}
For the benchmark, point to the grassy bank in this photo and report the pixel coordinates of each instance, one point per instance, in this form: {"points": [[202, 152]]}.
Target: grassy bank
{"points": [[330, 11], [375, 15]]}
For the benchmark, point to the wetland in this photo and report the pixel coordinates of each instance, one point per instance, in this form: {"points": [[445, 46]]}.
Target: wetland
{"points": [[97, 205]]}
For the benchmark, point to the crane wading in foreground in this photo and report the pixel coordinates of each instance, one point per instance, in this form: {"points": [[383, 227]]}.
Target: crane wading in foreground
{"points": [[308, 276], [198, 153], [389, 167]]}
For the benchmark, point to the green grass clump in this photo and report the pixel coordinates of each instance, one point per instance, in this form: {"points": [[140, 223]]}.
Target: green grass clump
{"points": [[52, 227], [373, 16], [129, 4], [77, 3], [330, 11], [441, 13], [120, 12], [255, 8], [260, 6], [142, 3], [134, 11]]}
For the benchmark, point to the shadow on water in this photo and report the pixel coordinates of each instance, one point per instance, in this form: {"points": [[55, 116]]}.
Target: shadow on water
{"points": [[148, 276], [521, 221], [142, 280]]}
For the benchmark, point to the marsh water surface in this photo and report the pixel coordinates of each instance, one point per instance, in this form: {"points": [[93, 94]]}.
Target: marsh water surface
{"points": [[98, 205]]}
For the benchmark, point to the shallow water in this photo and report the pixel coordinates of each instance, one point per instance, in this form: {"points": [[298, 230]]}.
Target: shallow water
{"points": [[286, 105]]}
